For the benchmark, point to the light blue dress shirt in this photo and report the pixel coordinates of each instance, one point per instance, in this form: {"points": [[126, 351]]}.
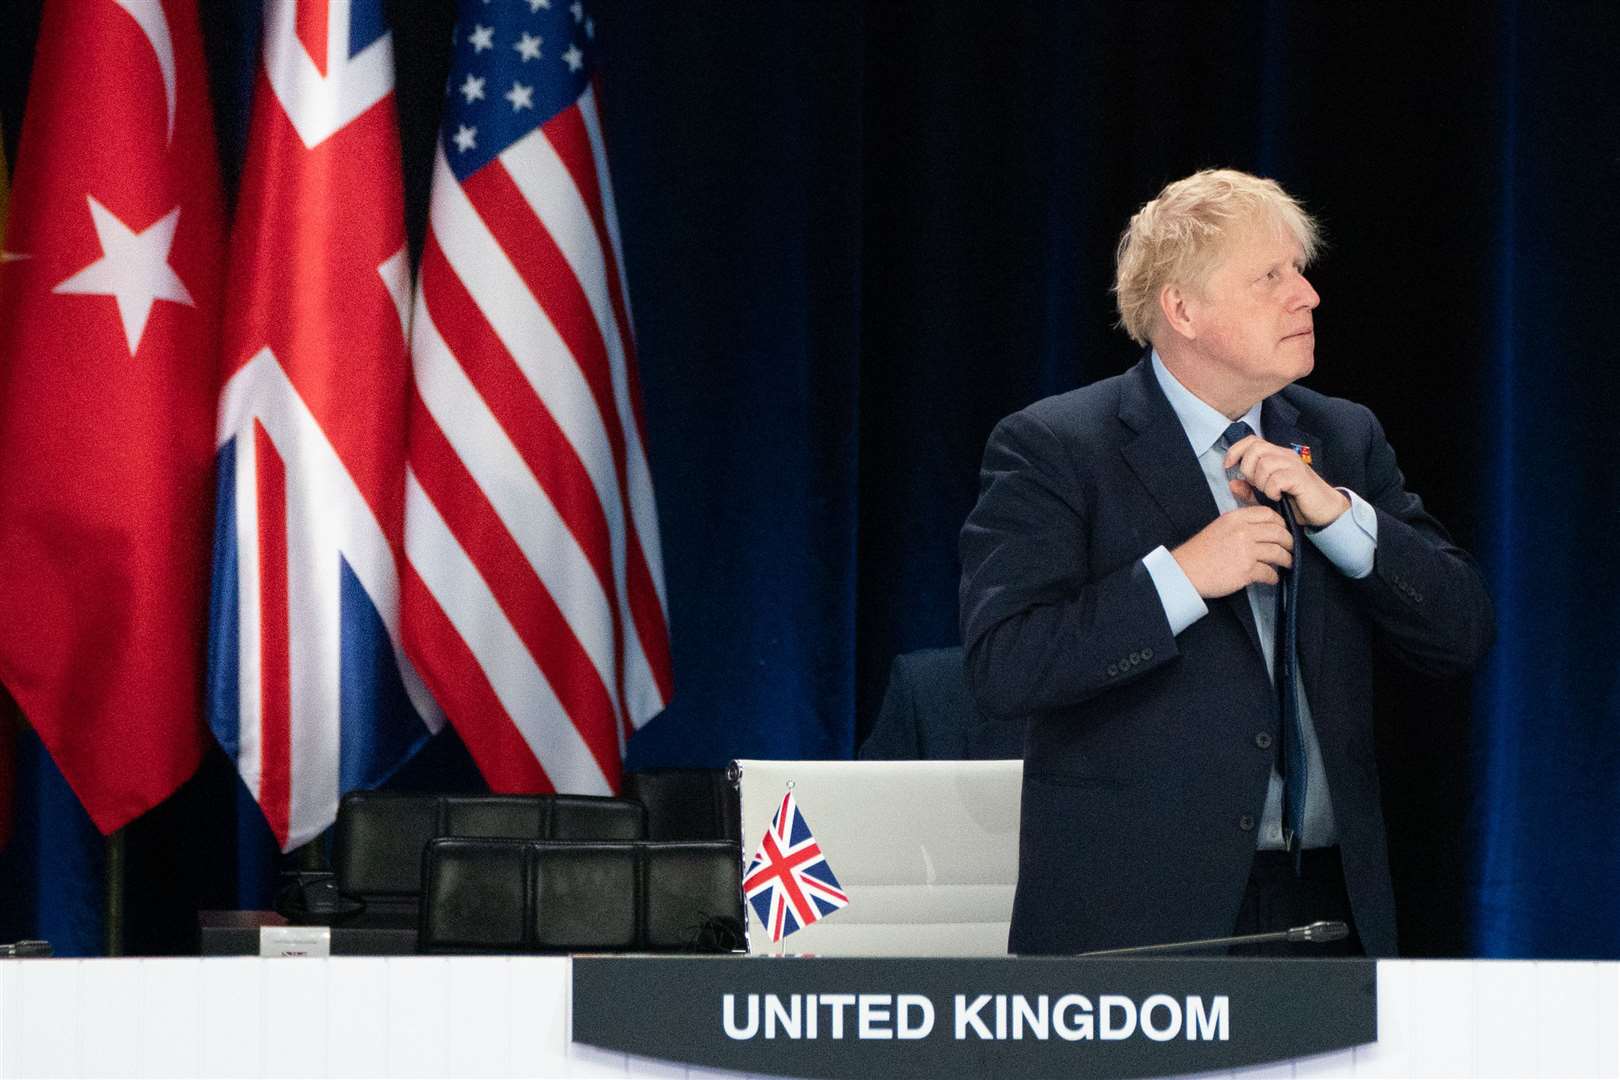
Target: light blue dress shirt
{"points": [[1350, 543]]}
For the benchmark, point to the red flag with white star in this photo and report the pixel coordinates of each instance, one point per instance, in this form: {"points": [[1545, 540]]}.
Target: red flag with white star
{"points": [[109, 313]]}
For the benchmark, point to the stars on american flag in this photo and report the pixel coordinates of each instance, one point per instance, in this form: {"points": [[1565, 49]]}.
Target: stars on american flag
{"points": [[521, 97], [514, 64]]}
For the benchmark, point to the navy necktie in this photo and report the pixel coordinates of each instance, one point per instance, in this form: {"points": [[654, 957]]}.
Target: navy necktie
{"points": [[1292, 765]]}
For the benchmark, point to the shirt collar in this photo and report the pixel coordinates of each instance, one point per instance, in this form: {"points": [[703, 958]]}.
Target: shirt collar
{"points": [[1203, 423]]}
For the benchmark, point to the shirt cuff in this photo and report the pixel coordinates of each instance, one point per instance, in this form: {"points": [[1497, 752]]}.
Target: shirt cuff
{"points": [[1182, 604], [1350, 541]]}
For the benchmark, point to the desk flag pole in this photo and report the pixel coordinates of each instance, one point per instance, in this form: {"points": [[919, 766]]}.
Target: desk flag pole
{"points": [[789, 882]]}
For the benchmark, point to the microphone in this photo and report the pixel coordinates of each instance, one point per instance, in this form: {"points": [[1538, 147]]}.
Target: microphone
{"points": [[1315, 934], [1319, 932], [24, 950]]}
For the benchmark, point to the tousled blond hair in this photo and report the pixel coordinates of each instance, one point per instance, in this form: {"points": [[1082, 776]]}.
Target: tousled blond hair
{"points": [[1178, 237]]}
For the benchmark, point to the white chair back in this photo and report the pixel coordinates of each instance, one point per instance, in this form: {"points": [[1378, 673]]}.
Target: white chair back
{"points": [[927, 852]]}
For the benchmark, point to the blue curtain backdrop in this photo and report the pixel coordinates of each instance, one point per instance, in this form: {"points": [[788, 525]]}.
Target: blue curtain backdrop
{"points": [[858, 234]]}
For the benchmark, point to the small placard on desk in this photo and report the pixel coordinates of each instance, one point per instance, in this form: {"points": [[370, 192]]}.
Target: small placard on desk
{"points": [[295, 941]]}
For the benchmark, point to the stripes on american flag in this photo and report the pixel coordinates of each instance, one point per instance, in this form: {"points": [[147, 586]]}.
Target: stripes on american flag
{"points": [[533, 600]]}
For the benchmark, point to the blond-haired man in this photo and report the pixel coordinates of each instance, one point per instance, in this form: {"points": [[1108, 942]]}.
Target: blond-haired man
{"points": [[1175, 576]]}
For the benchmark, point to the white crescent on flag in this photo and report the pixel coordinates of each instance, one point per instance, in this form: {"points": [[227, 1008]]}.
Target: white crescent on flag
{"points": [[148, 15]]}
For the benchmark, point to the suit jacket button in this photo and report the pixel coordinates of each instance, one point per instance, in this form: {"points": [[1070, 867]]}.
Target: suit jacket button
{"points": [[1147, 654], [1136, 658], [1113, 669], [1246, 822], [1262, 739]]}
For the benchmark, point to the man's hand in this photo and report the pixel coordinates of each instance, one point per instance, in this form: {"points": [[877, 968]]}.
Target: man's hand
{"points": [[1237, 549], [1276, 471]]}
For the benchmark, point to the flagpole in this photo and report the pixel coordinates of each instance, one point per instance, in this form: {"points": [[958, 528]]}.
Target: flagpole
{"points": [[308, 855], [781, 944], [114, 880]]}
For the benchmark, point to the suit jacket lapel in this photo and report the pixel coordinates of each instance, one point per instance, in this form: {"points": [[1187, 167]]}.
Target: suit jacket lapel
{"points": [[1280, 420], [1163, 461]]}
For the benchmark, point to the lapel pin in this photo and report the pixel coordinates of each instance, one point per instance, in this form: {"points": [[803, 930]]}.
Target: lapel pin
{"points": [[1303, 451]]}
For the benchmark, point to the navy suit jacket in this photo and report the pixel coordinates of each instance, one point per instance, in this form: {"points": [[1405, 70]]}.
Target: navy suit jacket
{"points": [[1143, 775]]}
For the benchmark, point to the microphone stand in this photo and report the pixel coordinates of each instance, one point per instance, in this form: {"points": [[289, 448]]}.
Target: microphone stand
{"points": [[1316, 933]]}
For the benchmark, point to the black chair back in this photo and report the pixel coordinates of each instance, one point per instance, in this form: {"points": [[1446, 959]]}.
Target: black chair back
{"points": [[686, 804], [380, 836], [482, 896]]}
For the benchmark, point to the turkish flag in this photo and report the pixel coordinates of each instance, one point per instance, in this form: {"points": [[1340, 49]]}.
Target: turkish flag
{"points": [[8, 738], [109, 316]]}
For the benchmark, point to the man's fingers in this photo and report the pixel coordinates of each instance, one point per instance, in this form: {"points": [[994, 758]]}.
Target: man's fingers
{"points": [[1274, 473], [1242, 454], [1275, 555], [1259, 515], [1265, 575], [1242, 491], [1277, 535], [1238, 449], [1270, 532]]}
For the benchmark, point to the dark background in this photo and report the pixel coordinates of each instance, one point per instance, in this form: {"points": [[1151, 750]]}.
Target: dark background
{"points": [[857, 234]]}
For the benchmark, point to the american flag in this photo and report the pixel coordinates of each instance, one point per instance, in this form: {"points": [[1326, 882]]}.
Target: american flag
{"points": [[533, 602], [309, 688], [789, 882]]}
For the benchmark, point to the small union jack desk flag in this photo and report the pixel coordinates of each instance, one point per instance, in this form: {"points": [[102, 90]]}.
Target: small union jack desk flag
{"points": [[789, 882]]}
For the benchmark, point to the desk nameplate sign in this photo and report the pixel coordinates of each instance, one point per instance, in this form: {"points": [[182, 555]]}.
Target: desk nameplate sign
{"points": [[295, 941], [846, 1016]]}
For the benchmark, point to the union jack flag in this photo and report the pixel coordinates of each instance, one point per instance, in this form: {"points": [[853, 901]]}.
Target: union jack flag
{"points": [[533, 599], [309, 687], [789, 882]]}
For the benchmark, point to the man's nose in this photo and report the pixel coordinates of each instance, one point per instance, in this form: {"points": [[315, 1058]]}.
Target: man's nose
{"points": [[1306, 295]]}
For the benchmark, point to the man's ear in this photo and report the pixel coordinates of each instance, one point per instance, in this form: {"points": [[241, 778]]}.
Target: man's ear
{"points": [[1176, 307]]}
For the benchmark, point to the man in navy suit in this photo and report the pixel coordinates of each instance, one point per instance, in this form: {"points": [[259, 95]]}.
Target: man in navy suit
{"points": [[1120, 579]]}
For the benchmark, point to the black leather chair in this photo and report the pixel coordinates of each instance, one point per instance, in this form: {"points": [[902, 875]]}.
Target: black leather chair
{"points": [[380, 836], [482, 896], [686, 804], [927, 712]]}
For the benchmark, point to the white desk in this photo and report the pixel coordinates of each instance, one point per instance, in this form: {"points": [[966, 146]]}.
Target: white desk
{"points": [[508, 1016]]}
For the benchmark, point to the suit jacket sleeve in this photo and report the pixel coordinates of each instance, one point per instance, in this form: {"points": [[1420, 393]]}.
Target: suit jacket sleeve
{"points": [[1425, 594], [1043, 629]]}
